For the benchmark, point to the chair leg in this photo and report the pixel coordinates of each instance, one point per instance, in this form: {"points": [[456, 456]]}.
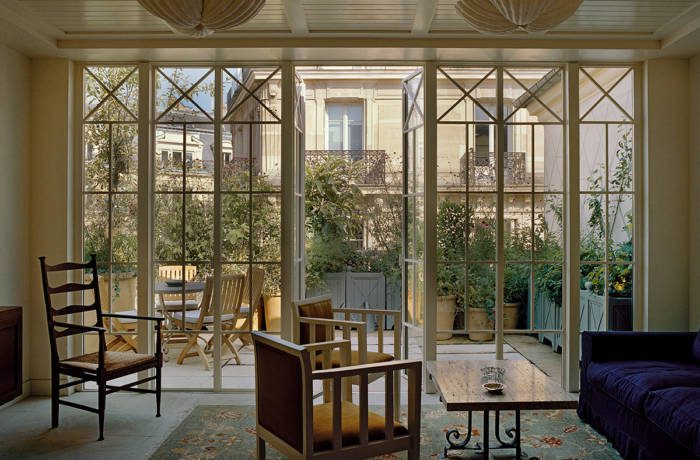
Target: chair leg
{"points": [[54, 400], [225, 339], [102, 396], [158, 376], [202, 355], [397, 395], [413, 453], [192, 341], [261, 449]]}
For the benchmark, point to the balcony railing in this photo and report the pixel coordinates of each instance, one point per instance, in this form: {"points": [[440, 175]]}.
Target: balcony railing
{"points": [[371, 163], [481, 169]]}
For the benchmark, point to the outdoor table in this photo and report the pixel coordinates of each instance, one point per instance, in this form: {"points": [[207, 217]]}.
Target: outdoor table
{"points": [[163, 288]]}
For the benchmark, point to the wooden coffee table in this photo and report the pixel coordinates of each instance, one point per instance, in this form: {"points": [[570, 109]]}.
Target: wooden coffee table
{"points": [[526, 388]]}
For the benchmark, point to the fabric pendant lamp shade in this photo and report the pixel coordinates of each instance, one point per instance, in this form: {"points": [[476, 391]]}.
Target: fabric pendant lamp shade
{"points": [[502, 16], [199, 18]]}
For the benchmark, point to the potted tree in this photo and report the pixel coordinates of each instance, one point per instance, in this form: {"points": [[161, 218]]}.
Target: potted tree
{"points": [[515, 293], [481, 301], [450, 288], [451, 231], [272, 306]]}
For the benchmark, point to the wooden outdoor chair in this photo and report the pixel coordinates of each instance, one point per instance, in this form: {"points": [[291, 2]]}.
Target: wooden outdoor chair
{"points": [[202, 320], [314, 322], [252, 293], [287, 418], [102, 365], [123, 329]]}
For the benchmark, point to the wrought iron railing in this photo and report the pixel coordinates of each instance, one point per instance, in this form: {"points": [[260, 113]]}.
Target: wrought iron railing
{"points": [[480, 169], [370, 163]]}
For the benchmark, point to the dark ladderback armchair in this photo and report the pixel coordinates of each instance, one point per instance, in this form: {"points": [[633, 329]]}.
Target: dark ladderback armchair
{"points": [[100, 366]]}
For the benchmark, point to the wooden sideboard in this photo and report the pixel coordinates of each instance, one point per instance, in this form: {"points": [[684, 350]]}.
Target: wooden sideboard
{"points": [[10, 353]]}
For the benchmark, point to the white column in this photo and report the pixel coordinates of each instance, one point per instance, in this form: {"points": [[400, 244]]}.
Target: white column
{"points": [[665, 194]]}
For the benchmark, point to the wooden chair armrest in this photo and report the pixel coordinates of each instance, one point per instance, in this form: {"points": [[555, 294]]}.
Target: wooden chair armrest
{"points": [[149, 318], [330, 345], [99, 329], [364, 369], [331, 322], [360, 326], [369, 311]]}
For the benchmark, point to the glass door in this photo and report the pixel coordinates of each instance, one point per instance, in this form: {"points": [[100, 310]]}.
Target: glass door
{"points": [[216, 223], [413, 214]]}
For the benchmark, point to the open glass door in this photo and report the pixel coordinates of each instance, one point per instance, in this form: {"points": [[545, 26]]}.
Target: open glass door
{"points": [[413, 214], [299, 273]]}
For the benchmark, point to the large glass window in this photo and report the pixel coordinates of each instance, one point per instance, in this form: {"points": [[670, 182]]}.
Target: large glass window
{"points": [[109, 199], [215, 170], [183, 217], [526, 174], [608, 258], [345, 126], [250, 188], [197, 173]]}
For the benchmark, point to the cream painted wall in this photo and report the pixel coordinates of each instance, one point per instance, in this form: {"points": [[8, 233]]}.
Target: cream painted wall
{"points": [[666, 195], [14, 191], [694, 230], [51, 198]]}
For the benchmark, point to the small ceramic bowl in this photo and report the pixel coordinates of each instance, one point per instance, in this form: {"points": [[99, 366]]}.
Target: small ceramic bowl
{"points": [[493, 387]]}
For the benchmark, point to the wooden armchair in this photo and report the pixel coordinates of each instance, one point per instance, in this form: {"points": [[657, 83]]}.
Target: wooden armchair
{"points": [[314, 321], [287, 418], [103, 365]]}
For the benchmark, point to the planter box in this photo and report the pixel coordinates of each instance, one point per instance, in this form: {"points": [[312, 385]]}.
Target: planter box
{"points": [[273, 313]]}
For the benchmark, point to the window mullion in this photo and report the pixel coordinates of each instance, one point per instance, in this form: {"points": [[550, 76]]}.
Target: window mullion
{"points": [[145, 208], [500, 256], [571, 297], [216, 256]]}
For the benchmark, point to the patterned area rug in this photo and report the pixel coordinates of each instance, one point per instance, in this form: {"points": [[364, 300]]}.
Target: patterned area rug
{"points": [[229, 432]]}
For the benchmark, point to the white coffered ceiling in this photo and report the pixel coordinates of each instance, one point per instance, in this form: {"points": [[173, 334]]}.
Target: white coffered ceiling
{"points": [[124, 24]]}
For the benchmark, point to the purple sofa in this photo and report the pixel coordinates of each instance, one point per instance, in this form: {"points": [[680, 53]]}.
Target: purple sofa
{"points": [[642, 391]]}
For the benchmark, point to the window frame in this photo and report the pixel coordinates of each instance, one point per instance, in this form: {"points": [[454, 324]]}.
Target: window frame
{"points": [[345, 124]]}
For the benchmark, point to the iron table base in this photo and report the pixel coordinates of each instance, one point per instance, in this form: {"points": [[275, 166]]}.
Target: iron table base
{"points": [[509, 440]]}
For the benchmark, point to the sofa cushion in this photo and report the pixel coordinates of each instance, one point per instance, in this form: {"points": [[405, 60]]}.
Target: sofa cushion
{"points": [[629, 382], [696, 347], [676, 411]]}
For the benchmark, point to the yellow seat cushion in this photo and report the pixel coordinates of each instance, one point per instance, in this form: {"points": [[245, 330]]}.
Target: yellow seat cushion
{"points": [[114, 360], [372, 357], [350, 425]]}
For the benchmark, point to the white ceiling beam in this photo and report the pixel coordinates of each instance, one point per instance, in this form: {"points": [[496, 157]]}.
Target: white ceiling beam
{"points": [[425, 12], [680, 27], [296, 18], [363, 42]]}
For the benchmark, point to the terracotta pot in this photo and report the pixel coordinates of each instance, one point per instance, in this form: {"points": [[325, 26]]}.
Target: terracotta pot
{"points": [[446, 309], [478, 318], [273, 313], [510, 315]]}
